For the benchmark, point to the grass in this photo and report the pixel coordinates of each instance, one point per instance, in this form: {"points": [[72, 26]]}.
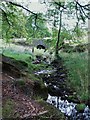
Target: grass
{"points": [[18, 55], [77, 65], [26, 57], [8, 109]]}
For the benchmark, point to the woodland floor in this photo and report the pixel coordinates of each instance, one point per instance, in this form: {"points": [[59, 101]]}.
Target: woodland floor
{"points": [[24, 106]]}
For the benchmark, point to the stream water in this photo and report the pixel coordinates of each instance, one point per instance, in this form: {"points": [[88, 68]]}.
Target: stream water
{"points": [[68, 108]]}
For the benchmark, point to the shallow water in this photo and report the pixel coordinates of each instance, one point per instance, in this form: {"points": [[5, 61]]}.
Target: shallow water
{"points": [[69, 108], [44, 72]]}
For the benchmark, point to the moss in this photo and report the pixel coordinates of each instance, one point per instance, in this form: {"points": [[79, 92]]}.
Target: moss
{"points": [[52, 112], [8, 109], [80, 107], [17, 55]]}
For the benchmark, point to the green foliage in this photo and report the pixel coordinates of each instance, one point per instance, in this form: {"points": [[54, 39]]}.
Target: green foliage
{"points": [[77, 65], [28, 58], [16, 24], [54, 37], [66, 35], [80, 107], [71, 36], [13, 22], [36, 28], [18, 55], [78, 32], [53, 16], [71, 7], [8, 108]]}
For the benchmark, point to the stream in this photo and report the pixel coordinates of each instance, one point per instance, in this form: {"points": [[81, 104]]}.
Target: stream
{"points": [[69, 109], [54, 80]]}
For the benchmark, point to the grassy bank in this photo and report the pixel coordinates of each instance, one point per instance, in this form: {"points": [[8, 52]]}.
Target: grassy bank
{"points": [[77, 65]]}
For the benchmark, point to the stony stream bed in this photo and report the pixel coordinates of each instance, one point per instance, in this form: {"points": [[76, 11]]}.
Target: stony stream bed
{"points": [[69, 109], [58, 92]]}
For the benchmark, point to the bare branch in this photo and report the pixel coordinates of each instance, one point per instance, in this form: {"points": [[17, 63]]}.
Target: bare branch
{"points": [[18, 5], [22, 7], [82, 7], [60, 5], [77, 12], [85, 13]]}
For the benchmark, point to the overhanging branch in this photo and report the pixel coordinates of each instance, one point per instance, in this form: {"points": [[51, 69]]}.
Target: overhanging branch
{"points": [[18, 5], [82, 8]]}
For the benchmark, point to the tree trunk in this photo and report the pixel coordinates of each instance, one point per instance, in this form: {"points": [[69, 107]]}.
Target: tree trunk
{"points": [[59, 31]]}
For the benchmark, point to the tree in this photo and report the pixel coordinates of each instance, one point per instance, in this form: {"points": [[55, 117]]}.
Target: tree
{"points": [[73, 9], [59, 7], [16, 24], [36, 28], [13, 22]]}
